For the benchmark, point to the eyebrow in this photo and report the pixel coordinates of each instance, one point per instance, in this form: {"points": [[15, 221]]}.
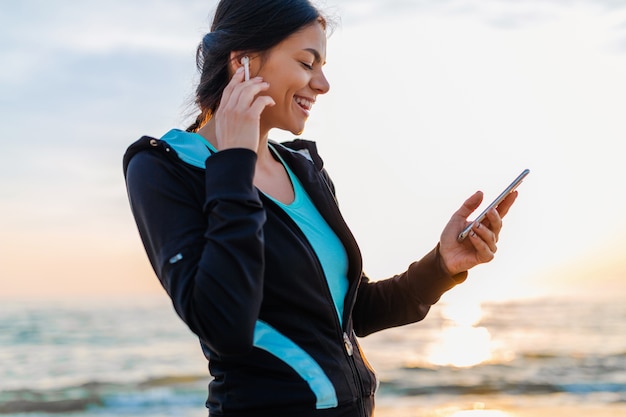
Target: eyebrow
{"points": [[315, 53]]}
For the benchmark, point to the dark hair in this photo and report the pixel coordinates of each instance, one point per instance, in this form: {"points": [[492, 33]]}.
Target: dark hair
{"points": [[243, 25]]}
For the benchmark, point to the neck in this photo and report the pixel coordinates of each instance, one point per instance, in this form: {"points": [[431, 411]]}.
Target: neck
{"points": [[208, 131], [269, 176]]}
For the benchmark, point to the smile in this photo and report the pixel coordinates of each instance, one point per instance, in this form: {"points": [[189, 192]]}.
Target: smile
{"points": [[305, 103]]}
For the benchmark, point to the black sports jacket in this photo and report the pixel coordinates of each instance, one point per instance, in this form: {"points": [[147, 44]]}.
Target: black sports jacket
{"points": [[246, 281]]}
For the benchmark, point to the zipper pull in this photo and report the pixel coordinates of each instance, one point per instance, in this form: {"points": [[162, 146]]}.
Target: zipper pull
{"points": [[347, 344]]}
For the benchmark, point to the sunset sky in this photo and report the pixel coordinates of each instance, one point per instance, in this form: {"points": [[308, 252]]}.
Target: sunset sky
{"points": [[429, 102]]}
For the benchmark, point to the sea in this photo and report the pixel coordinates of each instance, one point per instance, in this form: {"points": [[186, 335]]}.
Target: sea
{"points": [[133, 356]]}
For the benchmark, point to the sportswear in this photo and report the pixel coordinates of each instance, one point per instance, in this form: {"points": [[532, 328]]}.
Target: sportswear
{"points": [[245, 279]]}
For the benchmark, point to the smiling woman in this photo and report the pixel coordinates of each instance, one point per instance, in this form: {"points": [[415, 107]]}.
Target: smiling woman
{"points": [[246, 236], [474, 77]]}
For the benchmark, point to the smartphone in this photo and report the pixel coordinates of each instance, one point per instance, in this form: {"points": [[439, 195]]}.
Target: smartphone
{"points": [[245, 61], [508, 190]]}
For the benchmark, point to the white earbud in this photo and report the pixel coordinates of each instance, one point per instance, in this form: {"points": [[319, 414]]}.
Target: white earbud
{"points": [[245, 61]]}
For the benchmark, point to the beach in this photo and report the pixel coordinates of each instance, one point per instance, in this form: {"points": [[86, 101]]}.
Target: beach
{"points": [[502, 409], [452, 411], [133, 357]]}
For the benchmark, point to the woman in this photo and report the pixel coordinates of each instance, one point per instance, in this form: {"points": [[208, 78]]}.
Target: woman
{"points": [[246, 237]]}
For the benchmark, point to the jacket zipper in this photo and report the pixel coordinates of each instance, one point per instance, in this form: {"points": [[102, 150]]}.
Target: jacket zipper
{"points": [[352, 290], [351, 297], [341, 333]]}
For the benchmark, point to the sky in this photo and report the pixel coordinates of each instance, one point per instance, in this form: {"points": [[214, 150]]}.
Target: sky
{"points": [[430, 101]]}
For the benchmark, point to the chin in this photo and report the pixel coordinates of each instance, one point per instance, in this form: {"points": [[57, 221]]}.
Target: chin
{"points": [[297, 130], [294, 130]]}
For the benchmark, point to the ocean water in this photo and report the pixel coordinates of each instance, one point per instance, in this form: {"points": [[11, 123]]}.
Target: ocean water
{"points": [[134, 357]]}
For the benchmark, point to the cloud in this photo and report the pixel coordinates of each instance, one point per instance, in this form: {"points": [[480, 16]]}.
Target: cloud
{"points": [[93, 26], [503, 14], [81, 60]]}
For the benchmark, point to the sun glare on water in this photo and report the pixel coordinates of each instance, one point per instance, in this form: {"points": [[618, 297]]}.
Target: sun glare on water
{"points": [[478, 410], [480, 413], [461, 343]]}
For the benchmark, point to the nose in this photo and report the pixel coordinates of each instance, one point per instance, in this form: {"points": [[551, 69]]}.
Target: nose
{"points": [[319, 83]]}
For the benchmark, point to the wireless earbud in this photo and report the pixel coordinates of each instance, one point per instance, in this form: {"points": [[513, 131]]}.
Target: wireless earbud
{"points": [[245, 61]]}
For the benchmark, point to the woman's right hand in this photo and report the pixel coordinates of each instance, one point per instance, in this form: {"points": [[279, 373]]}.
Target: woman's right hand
{"points": [[237, 119]]}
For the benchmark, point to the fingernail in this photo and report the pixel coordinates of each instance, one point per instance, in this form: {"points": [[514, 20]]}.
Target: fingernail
{"points": [[240, 69], [478, 225]]}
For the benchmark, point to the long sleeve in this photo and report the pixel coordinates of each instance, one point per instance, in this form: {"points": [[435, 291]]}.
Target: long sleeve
{"points": [[404, 298], [208, 254]]}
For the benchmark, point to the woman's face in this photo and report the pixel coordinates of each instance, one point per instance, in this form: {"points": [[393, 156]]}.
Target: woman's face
{"points": [[293, 69]]}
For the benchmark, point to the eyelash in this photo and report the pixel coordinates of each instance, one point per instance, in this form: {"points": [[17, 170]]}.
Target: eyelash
{"points": [[307, 66]]}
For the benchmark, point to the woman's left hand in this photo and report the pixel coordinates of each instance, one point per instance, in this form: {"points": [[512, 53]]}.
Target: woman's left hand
{"points": [[480, 245]]}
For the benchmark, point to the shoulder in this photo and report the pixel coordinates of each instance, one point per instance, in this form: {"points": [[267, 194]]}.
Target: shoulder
{"points": [[140, 155], [175, 146], [152, 166]]}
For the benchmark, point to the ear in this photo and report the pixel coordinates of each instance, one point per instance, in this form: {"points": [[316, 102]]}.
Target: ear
{"points": [[235, 60]]}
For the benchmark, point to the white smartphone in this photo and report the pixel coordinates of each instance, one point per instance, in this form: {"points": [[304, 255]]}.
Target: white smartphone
{"points": [[508, 190], [245, 61]]}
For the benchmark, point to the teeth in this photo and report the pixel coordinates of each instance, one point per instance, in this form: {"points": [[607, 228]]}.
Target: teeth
{"points": [[304, 103]]}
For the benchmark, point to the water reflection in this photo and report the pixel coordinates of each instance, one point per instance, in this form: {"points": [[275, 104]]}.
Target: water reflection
{"points": [[461, 343], [480, 413]]}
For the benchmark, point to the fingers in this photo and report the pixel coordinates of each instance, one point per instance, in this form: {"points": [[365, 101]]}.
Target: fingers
{"points": [[481, 244], [236, 79], [484, 241], [228, 94], [239, 95], [484, 236], [493, 220], [237, 118], [260, 103], [487, 235], [505, 205], [470, 205]]}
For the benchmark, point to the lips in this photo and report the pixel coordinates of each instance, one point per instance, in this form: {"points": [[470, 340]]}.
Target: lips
{"points": [[304, 102]]}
